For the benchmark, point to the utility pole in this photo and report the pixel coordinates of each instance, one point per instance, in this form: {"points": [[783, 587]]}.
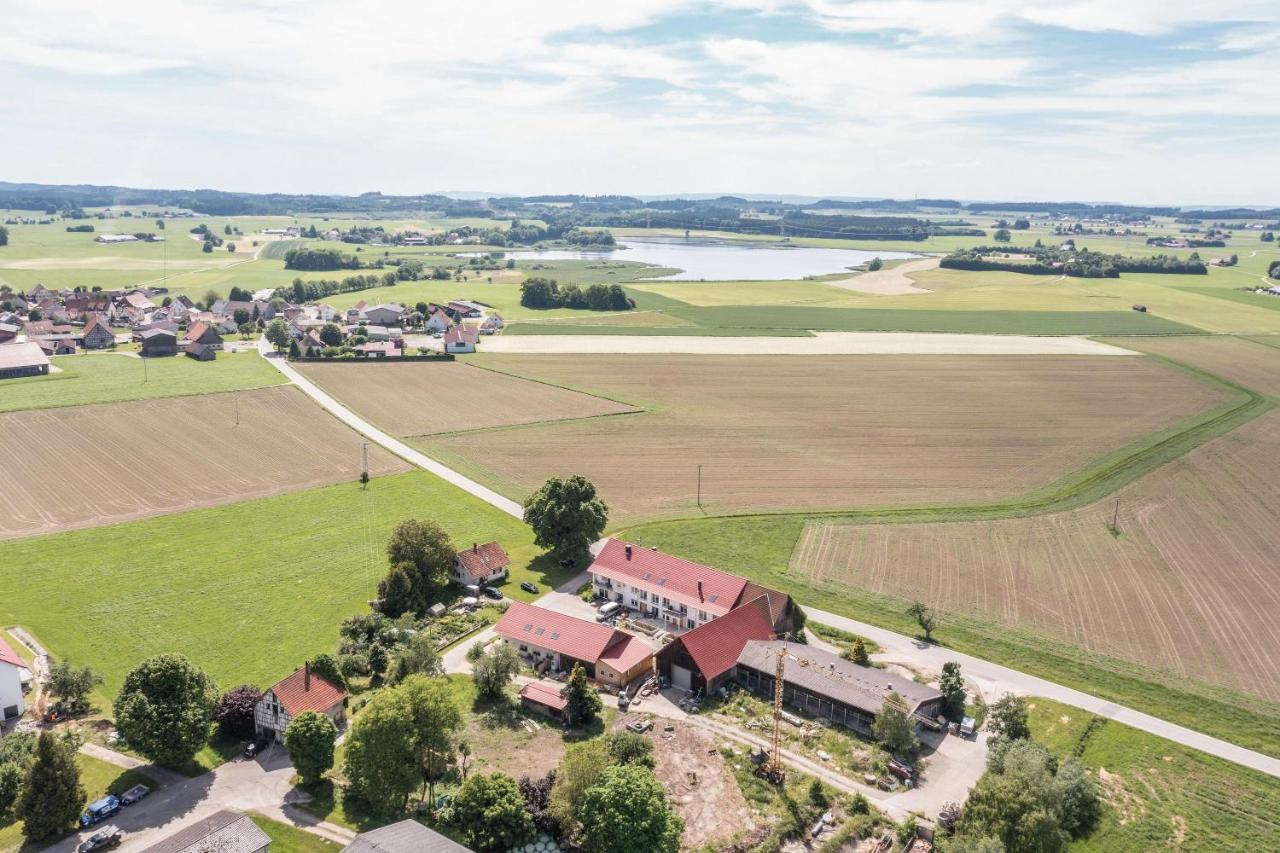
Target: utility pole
{"points": [[699, 486], [144, 369], [1115, 518], [364, 465], [237, 408]]}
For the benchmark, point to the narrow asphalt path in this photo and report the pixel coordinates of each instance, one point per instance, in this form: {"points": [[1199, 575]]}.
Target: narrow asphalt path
{"points": [[399, 448], [995, 679]]}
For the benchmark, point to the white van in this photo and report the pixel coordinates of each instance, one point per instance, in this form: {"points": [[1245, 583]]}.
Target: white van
{"points": [[607, 611]]}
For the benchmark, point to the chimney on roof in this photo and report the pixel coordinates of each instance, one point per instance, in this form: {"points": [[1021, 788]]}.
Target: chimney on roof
{"points": [[627, 550], [700, 589], [306, 677]]}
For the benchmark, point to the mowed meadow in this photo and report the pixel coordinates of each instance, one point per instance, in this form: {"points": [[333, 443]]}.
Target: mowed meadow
{"points": [[808, 433], [107, 463], [247, 590]]}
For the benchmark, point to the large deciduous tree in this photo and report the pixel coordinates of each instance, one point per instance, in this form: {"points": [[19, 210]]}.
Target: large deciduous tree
{"points": [[165, 707], [627, 812], [584, 702], [278, 334], [951, 686], [420, 550], [493, 671], [309, 740], [491, 812], [73, 684], [893, 727], [1008, 718], [579, 770], [52, 796], [566, 515]]}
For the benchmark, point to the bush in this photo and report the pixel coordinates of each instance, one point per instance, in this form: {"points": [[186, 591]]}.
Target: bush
{"points": [[234, 713]]}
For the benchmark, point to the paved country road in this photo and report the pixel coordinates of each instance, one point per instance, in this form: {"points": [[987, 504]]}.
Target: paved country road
{"points": [[993, 678]]}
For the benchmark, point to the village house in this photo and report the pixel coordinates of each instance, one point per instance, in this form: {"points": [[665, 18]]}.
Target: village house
{"points": [[225, 831], [703, 659], [464, 309], [491, 325], [677, 593], [203, 333], [379, 349], [556, 641], [97, 335], [828, 686], [8, 331], [200, 352], [379, 333], [481, 564], [137, 299], [439, 321], [301, 691], [57, 346], [407, 836], [460, 339], [13, 675], [159, 342], [311, 345], [24, 359]]}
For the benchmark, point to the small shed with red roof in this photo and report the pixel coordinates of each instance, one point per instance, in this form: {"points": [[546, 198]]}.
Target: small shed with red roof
{"points": [[703, 659], [544, 698], [302, 691]]}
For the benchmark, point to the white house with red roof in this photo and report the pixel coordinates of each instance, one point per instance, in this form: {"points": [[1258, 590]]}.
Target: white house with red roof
{"points": [[559, 640], [460, 339], [13, 671], [302, 691], [481, 564]]}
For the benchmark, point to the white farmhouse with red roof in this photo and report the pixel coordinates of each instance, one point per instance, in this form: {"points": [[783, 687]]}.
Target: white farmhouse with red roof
{"points": [[13, 671], [286, 699], [540, 635], [481, 564]]}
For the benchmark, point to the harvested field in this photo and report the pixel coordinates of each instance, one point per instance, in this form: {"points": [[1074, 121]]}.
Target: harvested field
{"points": [[1251, 363], [894, 281], [827, 432], [416, 398], [699, 785], [1189, 586], [103, 464]]}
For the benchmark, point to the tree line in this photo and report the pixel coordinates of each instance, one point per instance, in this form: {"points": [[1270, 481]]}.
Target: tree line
{"points": [[1083, 263], [543, 293]]}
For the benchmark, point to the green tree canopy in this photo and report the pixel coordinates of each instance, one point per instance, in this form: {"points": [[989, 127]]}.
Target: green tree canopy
{"points": [[493, 670], [1008, 718], [584, 702], [953, 693], [52, 797], [309, 740], [73, 684], [627, 812], [630, 748], [566, 515], [893, 727], [165, 707], [278, 334], [490, 810], [579, 770], [422, 550]]}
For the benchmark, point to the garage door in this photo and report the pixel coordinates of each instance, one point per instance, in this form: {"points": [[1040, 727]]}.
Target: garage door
{"points": [[681, 677]]}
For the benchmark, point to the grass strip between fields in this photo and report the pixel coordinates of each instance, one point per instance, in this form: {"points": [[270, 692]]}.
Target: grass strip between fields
{"points": [[760, 546]]}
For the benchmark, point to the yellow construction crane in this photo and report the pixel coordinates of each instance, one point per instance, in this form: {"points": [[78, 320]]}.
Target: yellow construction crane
{"points": [[772, 767]]}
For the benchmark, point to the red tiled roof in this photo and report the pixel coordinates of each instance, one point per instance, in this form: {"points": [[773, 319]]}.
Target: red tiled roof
{"points": [[672, 577], [96, 323], [716, 645], [480, 560], [559, 632], [777, 600], [544, 694], [626, 653], [8, 655], [293, 694], [460, 334]]}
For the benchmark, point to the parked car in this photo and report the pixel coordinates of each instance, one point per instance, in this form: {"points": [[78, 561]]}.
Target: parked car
{"points": [[529, 587], [968, 727], [607, 611], [902, 771], [491, 592], [568, 563], [100, 810], [470, 602], [135, 794], [103, 839], [472, 590]]}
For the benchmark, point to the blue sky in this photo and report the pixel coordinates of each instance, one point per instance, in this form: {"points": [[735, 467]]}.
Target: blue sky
{"points": [[1143, 101]]}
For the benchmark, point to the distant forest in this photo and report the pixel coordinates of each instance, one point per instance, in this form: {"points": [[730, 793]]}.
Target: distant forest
{"points": [[1069, 262], [564, 212]]}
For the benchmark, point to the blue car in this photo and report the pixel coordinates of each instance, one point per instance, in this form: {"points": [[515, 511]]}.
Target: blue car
{"points": [[100, 810]]}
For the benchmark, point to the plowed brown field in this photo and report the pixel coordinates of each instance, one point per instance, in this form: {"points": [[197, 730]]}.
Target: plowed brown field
{"points": [[1251, 363], [779, 433], [414, 398], [1191, 585], [90, 465]]}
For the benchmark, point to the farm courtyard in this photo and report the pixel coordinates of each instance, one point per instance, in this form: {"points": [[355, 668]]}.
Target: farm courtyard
{"points": [[778, 434]]}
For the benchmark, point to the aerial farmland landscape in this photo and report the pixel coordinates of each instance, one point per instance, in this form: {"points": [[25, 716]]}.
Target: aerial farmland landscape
{"points": [[742, 428]]}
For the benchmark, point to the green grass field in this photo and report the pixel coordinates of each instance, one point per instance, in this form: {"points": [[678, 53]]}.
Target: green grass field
{"points": [[248, 590], [98, 778], [291, 839], [112, 378], [1160, 794]]}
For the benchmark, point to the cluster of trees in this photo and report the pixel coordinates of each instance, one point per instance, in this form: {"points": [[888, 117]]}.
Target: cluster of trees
{"points": [[1273, 271], [1079, 264], [80, 229], [210, 239], [1027, 799], [1267, 237], [307, 258], [40, 783], [420, 554], [540, 293], [1192, 242], [4, 236]]}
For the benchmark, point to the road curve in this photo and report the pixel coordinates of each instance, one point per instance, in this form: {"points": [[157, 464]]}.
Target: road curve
{"points": [[995, 678], [399, 448]]}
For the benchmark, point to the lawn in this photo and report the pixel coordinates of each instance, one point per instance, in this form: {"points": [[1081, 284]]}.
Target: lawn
{"points": [[291, 839], [99, 779], [111, 378], [1157, 793], [249, 590]]}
